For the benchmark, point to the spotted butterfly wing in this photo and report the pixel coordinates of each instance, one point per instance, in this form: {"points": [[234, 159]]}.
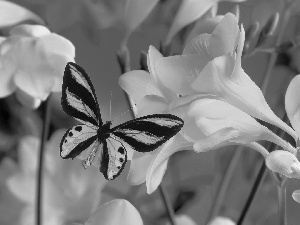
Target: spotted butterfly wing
{"points": [[98, 144]]}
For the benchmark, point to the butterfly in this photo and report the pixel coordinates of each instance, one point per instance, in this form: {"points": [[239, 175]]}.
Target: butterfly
{"points": [[99, 144]]}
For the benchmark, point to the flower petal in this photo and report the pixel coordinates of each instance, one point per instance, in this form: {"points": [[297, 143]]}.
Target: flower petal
{"points": [[152, 104], [178, 72], [158, 166], [222, 41], [292, 103], [12, 14], [139, 166], [214, 117], [153, 56], [116, 212], [138, 84]]}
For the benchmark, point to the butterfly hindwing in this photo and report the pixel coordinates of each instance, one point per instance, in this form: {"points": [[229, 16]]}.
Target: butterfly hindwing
{"points": [[77, 139], [114, 158], [147, 133], [78, 96]]}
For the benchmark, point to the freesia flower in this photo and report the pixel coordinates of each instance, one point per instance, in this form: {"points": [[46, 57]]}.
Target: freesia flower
{"points": [[210, 65], [116, 212], [224, 124], [150, 96], [189, 11], [220, 220], [32, 62], [69, 192]]}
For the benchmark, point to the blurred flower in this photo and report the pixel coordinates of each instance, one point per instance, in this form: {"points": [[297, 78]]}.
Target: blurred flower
{"points": [[116, 212], [292, 103], [220, 220], [95, 15], [283, 162], [210, 65], [32, 62], [224, 124], [69, 192], [183, 220], [150, 96], [189, 11], [12, 14]]}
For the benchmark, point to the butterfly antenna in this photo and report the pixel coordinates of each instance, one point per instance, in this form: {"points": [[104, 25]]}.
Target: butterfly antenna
{"points": [[124, 113], [110, 106]]}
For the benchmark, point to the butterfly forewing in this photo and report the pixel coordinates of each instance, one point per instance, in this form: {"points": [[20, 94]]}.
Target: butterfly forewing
{"points": [[78, 96], [147, 133]]}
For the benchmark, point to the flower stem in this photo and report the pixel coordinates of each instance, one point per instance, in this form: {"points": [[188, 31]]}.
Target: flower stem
{"points": [[167, 204], [46, 122], [281, 190], [258, 182], [273, 57]]}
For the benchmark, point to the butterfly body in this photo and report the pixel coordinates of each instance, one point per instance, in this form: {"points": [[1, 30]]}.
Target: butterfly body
{"points": [[98, 143]]}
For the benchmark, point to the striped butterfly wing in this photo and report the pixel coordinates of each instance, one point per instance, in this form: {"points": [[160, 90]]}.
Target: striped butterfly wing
{"points": [[114, 158], [78, 96], [79, 101], [145, 134]]}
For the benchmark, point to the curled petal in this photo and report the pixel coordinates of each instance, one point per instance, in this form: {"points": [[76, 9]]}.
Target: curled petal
{"points": [[222, 41], [116, 212], [159, 164], [153, 56], [292, 103], [25, 30], [224, 124], [283, 162], [138, 84]]}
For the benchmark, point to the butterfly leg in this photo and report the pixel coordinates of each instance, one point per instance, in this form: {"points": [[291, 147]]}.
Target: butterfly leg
{"points": [[89, 160]]}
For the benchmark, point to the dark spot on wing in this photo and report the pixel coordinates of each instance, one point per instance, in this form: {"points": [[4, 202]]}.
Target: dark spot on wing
{"points": [[70, 134], [121, 160], [78, 128], [65, 141], [118, 167], [121, 150]]}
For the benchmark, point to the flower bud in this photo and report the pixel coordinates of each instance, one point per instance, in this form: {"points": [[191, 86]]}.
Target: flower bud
{"points": [[283, 162]]}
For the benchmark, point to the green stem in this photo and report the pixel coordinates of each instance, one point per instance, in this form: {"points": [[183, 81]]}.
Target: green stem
{"points": [[168, 205], [224, 184], [258, 182], [281, 190], [273, 57], [46, 122]]}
